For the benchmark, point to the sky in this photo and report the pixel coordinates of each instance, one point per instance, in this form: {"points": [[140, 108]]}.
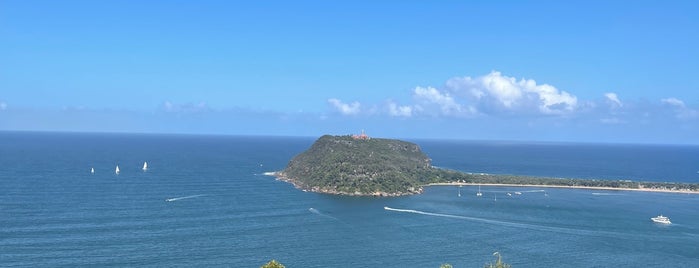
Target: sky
{"points": [[575, 71]]}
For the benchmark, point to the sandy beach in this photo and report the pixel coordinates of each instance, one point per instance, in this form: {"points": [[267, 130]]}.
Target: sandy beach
{"points": [[565, 186]]}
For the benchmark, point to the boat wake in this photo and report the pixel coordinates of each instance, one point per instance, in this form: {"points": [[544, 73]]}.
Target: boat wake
{"points": [[533, 191], [605, 194], [184, 197], [317, 212], [565, 230]]}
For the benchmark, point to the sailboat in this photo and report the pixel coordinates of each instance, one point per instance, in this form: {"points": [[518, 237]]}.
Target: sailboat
{"points": [[116, 171], [479, 191], [496, 197], [459, 191], [145, 166], [92, 170]]}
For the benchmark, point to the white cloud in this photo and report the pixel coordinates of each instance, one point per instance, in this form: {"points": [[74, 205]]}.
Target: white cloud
{"points": [[681, 110], [499, 92], [431, 96], [398, 110], [673, 102], [185, 107], [345, 108], [613, 99], [3, 106]]}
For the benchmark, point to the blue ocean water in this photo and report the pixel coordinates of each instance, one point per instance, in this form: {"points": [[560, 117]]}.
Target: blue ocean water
{"points": [[224, 212]]}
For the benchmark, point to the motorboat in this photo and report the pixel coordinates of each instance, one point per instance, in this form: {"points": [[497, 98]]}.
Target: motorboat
{"points": [[661, 219]]}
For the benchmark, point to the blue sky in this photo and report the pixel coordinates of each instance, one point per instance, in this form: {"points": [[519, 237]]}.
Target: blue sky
{"points": [[589, 71]]}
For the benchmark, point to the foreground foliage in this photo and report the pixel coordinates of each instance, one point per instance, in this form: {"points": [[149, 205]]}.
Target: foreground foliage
{"points": [[272, 264], [498, 263]]}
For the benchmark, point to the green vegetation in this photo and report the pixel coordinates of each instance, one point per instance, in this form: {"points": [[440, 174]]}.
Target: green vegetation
{"points": [[385, 167], [498, 263], [272, 264], [344, 165], [455, 176]]}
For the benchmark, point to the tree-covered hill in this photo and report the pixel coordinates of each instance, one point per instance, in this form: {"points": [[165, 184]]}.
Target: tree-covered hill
{"points": [[356, 165], [348, 165]]}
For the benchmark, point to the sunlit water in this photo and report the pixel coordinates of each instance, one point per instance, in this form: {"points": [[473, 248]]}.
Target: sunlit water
{"points": [[204, 202]]}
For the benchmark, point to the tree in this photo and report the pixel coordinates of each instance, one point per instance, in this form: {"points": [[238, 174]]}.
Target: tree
{"points": [[498, 263], [272, 264]]}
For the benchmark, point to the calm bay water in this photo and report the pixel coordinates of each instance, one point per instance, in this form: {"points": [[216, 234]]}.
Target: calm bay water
{"points": [[224, 212]]}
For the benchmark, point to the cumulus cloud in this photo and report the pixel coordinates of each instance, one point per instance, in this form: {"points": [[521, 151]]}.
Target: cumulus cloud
{"points": [[673, 102], [497, 95], [345, 108], [430, 96], [398, 110], [681, 110], [613, 99], [3, 106], [497, 92]]}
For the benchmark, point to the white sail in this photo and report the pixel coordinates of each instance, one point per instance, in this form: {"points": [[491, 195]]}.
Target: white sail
{"points": [[145, 166], [92, 170], [117, 170]]}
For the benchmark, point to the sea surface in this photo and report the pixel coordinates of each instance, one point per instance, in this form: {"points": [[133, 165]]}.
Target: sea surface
{"points": [[204, 202]]}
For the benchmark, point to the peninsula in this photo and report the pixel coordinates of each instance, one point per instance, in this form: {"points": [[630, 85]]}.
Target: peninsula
{"points": [[362, 166]]}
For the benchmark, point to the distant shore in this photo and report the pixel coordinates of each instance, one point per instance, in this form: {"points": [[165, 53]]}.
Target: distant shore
{"points": [[281, 177], [683, 191]]}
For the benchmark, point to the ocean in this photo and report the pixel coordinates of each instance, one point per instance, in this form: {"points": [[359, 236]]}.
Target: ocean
{"points": [[204, 202]]}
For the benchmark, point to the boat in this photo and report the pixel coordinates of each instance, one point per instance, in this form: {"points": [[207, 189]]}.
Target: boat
{"points": [[116, 171], [459, 191], [479, 191], [496, 197], [509, 194], [518, 193], [145, 166], [661, 219], [92, 170]]}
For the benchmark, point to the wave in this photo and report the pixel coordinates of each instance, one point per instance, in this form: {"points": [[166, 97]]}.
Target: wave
{"points": [[605, 194], [533, 191], [184, 197], [317, 212], [565, 230]]}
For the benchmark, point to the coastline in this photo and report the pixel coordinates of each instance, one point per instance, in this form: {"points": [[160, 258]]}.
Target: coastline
{"points": [[280, 176], [681, 191]]}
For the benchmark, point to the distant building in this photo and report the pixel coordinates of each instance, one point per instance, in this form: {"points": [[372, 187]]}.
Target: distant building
{"points": [[362, 136]]}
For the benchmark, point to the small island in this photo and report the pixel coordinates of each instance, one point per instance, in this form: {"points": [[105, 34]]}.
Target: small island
{"points": [[358, 165]]}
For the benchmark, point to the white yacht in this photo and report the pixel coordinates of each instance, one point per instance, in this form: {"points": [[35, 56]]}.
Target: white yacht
{"points": [[661, 219], [145, 166], [92, 170], [116, 171], [479, 191]]}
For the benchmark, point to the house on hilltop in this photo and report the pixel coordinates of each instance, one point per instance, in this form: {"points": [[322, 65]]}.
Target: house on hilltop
{"points": [[362, 136]]}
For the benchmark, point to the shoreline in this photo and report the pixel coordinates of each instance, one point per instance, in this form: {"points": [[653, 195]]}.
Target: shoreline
{"points": [[280, 176], [564, 186]]}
